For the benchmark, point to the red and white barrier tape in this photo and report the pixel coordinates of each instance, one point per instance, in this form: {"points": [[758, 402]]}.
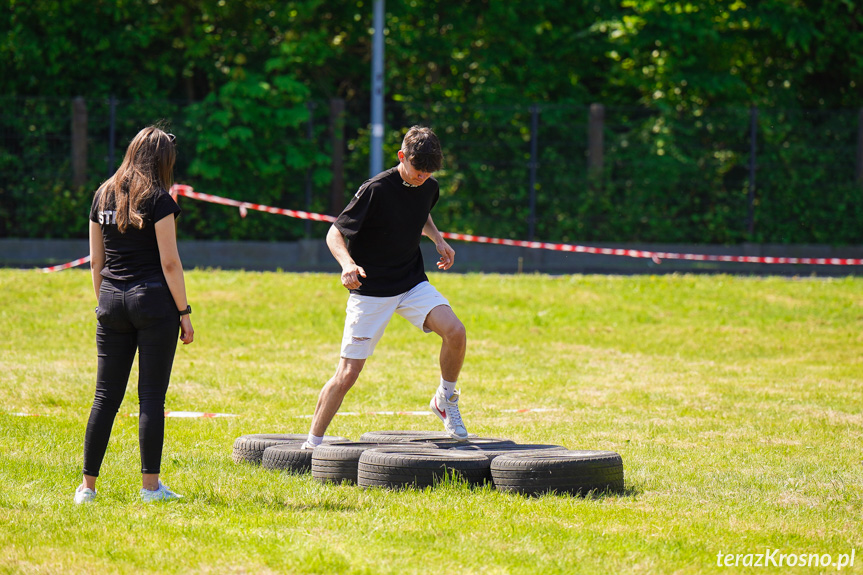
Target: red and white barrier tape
{"points": [[655, 256], [187, 191], [184, 190], [78, 262]]}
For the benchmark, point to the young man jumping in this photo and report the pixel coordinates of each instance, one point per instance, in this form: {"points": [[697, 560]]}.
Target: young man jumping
{"points": [[376, 241]]}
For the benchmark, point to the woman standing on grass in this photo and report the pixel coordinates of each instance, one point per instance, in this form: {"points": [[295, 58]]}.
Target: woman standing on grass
{"points": [[138, 279]]}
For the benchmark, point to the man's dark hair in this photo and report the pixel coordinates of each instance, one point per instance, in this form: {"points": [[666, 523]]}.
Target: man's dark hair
{"points": [[422, 149]]}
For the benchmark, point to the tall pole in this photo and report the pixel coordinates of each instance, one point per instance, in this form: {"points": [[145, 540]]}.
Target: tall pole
{"points": [[859, 171], [595, 142], [337, 157], [376, 156], [112, 133], [534, 163], [310, 134], [79, 141], [753, 149]]}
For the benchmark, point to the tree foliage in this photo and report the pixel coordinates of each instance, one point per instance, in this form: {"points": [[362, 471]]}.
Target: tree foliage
{"points": [[236, 79]]}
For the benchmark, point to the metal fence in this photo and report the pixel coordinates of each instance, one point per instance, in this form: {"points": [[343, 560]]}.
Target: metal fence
{"points": [[553, 172]]}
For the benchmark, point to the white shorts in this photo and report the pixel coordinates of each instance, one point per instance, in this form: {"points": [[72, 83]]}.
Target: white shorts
{"points": [[368, 316]]}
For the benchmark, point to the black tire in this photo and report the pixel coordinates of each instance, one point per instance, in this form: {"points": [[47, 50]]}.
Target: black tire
{"points": [[493, 450], [250, 448], [288, 457], [447, 442], [338, 461], [395, 469], [401, 436], [557, 471]]}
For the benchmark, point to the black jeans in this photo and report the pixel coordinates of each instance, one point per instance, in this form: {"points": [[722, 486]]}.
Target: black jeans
{"points": [[133, 316]]}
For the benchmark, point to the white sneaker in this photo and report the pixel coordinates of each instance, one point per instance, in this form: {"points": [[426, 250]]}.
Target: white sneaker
{"points": [[307, 446], [84, 495], [161, 494], [447, 410]]}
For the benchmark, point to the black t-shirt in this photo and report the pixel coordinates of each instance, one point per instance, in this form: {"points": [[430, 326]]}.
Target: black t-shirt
{"points": [[133, 255], [383, 226]]}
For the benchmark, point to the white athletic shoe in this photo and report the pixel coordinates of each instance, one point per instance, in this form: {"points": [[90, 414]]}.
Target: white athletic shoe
{"points": [[447, 410], [161, 494], [84, 495], [307, 446]]}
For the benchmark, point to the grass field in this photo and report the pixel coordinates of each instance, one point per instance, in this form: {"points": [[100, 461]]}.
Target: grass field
{"points": [[734, 402]]}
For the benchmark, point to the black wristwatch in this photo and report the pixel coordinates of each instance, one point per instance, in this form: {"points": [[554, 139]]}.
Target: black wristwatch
{"points": [[186, 311]]}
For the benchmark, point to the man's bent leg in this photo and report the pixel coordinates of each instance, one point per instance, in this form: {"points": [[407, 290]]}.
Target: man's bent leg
{"points": [[333, 392], [444, 403], [443, 321]]}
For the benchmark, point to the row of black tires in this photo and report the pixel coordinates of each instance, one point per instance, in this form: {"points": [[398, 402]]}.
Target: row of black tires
{"points": [[399, 459]]}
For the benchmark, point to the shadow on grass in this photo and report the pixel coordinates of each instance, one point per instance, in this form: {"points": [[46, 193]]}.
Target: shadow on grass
{"points": [[454, 480], [444, 484], [631, 492], [322, 506]]}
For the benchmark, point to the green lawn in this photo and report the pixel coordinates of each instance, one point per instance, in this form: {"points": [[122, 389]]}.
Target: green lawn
{"points": [[734, 402]]}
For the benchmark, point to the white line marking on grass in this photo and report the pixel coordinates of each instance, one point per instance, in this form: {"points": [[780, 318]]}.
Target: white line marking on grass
{"points": [[532, 410], [190, 414], [355, 413], [196, 414], [186, 414]]}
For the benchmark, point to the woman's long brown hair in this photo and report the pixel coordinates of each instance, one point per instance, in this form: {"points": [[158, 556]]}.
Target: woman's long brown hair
{"points": [[147, 167]]}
